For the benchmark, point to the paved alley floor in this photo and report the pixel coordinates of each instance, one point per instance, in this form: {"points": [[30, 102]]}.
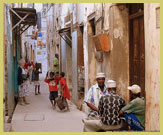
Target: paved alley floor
{"points": [[39, 116]]}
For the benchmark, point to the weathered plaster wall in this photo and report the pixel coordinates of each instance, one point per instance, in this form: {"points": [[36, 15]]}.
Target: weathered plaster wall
{"points": [[50, 42], [91, 74], [69, 66], [56, 27], [91, 58], [10, 64], [66, 9], [85, 46], [63, 55], [80, 63], [90, 8], [116, 62], [5, 74], [99, 29], [75, 54], [106, 9], [74, 67], [152, 68], [80, 12]]}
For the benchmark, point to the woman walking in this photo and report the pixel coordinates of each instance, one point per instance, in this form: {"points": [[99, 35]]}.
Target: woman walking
{"points": [[36, 79], [22, 82], [30, 70]]}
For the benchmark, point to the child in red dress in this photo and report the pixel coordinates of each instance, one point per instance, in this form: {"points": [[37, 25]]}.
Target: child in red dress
{"points": [[64, 89]]}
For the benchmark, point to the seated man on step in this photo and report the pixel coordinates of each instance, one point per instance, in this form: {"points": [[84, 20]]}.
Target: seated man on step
{"points": [[108, 110], [134, 112], [94, 94]]}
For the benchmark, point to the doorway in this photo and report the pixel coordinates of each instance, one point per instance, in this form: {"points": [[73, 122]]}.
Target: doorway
{"points": [[80, 63], [137, 46]]}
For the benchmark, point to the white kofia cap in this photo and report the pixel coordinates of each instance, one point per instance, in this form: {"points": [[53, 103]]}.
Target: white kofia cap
{"points": [[100, 75], [135, 89], [111, 84]]}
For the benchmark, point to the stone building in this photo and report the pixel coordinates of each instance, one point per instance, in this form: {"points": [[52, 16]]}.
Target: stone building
{"points": [[13, 29], [121, 40]]}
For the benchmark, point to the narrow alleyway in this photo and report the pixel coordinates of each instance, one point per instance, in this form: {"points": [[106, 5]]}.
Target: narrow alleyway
{"points": [[39, 116], [119, 40]]}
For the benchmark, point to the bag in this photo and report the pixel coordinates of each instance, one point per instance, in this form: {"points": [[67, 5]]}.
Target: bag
{"points": [[61, 102]]}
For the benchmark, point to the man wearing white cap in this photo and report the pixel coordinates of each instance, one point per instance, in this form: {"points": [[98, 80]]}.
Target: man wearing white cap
{"points": [[94, 94], [108, 110], [134, 112]]}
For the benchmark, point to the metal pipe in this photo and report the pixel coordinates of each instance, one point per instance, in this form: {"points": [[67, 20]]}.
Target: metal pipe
{"points": [[102, 23]]}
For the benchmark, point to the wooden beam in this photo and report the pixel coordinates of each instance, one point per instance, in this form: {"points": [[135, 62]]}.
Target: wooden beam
{"points": [[15, 13], [136, 15], [22, 27], [68, 38], [20, 21], [91, 16], [24, 30], [24, 12], [27, 20]]}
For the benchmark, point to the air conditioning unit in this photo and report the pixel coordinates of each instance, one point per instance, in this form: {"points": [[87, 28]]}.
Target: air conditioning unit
{"points": [[102, 42]]}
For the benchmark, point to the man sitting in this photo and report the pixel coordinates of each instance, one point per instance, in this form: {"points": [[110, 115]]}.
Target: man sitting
{"points": [[94, 94], [108, 109], [134, 112]]}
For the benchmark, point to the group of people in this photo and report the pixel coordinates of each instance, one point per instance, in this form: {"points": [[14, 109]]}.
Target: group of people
{"points": [[108, 110], [22, 82], [29, 72], [53, 79], [30, 67]]}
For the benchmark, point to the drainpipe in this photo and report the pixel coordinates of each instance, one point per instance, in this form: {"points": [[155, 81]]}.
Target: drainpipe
{"points": [[102, 24], [102, 30]]}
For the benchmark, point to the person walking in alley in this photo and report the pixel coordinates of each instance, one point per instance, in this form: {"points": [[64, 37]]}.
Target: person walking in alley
{"points": [[134, 112], [26, 64], [53, 89], [94, 94], [36, 79], [22, 82], [30, 70], [33, 65], [56, 63], [108, 110], [64, 89]]}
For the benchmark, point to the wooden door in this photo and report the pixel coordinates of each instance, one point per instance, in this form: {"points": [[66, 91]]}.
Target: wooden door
{"points": [[137, 48]]}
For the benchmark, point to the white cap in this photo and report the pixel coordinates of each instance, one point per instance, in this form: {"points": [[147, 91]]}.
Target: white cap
{"points": [[135, 89], [111, 84], [100, 75]]}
